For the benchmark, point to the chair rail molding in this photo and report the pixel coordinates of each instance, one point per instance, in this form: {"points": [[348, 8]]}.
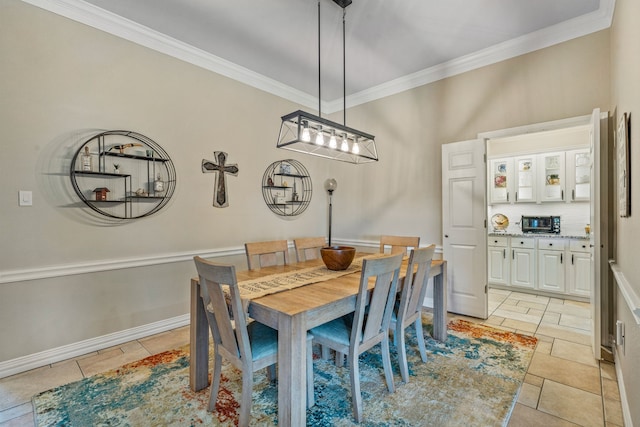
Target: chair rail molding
{"points": [[630, 295]]}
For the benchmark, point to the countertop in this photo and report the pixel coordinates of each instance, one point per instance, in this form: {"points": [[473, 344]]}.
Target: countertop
{"points": [[545, 235]]}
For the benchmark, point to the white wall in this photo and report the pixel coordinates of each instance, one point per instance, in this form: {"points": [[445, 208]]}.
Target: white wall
{"points": [[61, 78]]}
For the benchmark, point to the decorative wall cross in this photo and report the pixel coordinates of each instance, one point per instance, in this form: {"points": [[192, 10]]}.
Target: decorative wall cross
{"points": [[220, 168]]}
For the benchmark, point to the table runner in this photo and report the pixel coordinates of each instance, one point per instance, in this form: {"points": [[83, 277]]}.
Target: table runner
{"points": [[273, 283]]}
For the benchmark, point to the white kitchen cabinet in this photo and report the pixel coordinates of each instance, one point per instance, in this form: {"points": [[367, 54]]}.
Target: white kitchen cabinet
{"points": [[551, 177], [579, 268], [523, 262], [525, 179], [498, 259], [578, 164], [551, 265], [500, 179]]}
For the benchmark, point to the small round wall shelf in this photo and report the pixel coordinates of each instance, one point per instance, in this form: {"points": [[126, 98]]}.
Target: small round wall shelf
{"points": [[123, 175], [286, 187]]}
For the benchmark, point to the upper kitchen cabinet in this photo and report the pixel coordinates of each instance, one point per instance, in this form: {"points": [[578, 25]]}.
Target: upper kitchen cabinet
{"points": [[578, 175], [552, 177], [525, 179], [500, 180]]}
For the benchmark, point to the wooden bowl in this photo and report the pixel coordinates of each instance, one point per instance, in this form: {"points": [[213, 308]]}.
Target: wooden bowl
{"points": [[337, 257]]}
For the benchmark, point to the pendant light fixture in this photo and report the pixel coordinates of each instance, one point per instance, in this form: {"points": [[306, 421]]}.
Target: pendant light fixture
{"points": [[307, 133]]}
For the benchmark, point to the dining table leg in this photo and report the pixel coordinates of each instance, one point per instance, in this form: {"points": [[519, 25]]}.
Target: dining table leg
{"points": [[198, 341], [292, 347], [440, 304]]}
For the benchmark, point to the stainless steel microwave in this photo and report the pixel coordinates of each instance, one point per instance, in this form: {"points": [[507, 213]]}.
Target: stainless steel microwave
{"points": [[540, 224]]}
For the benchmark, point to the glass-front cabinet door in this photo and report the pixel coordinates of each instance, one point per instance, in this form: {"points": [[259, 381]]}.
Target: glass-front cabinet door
{"points": [[579, 175], [552, 177], [500, 177], [525, 167]]}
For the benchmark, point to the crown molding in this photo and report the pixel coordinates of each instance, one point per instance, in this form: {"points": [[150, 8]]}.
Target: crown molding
{"points": [[111, 23]]}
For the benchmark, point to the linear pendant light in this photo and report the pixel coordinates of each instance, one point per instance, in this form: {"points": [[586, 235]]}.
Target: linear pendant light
{"points": [[311, 134]]}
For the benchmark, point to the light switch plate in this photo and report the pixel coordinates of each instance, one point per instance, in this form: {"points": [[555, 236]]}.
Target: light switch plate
{"points": [[26, 198]]}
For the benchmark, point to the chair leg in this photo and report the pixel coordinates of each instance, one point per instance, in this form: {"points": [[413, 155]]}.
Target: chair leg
{"points": [[402, 357], [271, 372], [247, 392], [310, 397], [215, 386], [386, 362], [420, 337], [339, 359], [325, 352], [356, 396]]}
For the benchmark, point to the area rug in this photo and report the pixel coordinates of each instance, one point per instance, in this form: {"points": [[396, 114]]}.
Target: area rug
{"points": [[472, 379]]}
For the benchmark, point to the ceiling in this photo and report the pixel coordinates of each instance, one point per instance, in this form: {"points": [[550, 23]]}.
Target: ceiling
{"points": [[391, 45]]}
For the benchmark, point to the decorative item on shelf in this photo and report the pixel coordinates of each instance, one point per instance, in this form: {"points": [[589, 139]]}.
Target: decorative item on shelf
{"points": [[149, 153], [270, 182], [587, 229], [279, 199], [141, 192], [220, 168], [285, 168], [122, 147], [101, 194], [553, 179], [285, 184], [116, 168], [297, 128], [87, 161], [158, 185]]}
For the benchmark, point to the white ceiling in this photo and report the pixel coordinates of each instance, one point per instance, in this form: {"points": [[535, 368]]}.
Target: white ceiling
{"points": [[392, 45]]}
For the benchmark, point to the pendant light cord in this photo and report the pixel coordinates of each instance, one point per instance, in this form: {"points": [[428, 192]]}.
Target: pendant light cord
{"points": [[319, 75], [344, 68]]}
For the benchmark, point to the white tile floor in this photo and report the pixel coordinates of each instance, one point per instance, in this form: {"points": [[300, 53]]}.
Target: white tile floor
{"points": [[564, 385]]}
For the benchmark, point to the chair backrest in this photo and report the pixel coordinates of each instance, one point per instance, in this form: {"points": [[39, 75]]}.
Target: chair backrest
{"points": [[308, 247], [398, 243], [267, 253], [415, 284], [369, 330], [229, 333]]}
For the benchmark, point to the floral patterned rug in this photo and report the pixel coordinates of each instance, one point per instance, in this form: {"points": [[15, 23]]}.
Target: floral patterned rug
{"points": [[472, 379]]}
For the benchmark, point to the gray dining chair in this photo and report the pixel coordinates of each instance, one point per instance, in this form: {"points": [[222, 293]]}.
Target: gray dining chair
{"points": [[247, 346], [408, 310], [398, 244], [358, 332], [267, 253], [308, 247]]}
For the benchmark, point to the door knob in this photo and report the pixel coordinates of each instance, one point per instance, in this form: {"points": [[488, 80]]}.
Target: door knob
{"points": [[446, 235]]}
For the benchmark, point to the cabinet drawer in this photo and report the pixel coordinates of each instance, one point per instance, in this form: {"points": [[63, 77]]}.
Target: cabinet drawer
{"points": [[551, 244], [499, 241], [528, 243], [579, 246]]}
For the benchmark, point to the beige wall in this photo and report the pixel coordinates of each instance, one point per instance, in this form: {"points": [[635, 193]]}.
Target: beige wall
{"points": [[625, 95], [61, 78]]}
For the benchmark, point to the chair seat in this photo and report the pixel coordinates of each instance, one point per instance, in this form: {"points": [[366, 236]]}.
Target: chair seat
{"points": [[338, 330], [263, 340]]}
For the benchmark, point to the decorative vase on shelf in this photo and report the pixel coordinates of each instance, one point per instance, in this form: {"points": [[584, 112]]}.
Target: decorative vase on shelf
{"points": [[158, 185], [87, 161]]}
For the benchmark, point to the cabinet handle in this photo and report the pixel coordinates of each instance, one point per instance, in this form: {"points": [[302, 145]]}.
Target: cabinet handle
{"points": [[560, 258], [561, 194], [507, 196], [504, 254], [571, 259], [513, 254], [550, 244], [516, 196], [573, 194]]}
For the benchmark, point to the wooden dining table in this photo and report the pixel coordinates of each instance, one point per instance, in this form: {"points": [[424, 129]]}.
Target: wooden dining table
{"points": [[292, 313]]}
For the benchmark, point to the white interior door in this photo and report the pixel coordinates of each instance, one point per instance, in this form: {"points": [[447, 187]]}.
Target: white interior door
{"points": [[464, 216], [595, 237]]}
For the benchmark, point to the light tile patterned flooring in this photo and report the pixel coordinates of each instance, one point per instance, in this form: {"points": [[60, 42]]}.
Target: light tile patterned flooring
{"points": [[564, 385]]}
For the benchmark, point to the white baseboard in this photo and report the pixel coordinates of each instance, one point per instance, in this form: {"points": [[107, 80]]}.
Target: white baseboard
{"points": [[37, 360], [626, 412]]}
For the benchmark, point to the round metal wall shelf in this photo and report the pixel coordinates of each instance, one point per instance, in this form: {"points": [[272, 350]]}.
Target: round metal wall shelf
{"points": [[123, 175], [286, 187]]}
